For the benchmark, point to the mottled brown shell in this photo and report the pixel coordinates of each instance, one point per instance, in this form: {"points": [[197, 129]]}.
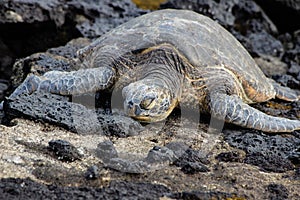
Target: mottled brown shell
{"points": [[201, 40]]}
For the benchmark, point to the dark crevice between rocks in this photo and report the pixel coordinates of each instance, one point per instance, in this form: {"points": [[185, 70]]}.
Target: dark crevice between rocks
{"points": [[19, 40], [283, 13], [24, 39]]}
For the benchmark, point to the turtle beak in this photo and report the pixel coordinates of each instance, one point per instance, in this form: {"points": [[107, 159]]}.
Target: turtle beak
{"points": [[132, 109]]}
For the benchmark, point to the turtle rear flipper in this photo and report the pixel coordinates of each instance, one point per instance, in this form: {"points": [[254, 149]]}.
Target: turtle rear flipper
{"points": [[285, 93], [233, 110]]}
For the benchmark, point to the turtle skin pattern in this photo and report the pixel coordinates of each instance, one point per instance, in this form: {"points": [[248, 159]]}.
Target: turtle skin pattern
{"points": [[172, 57]]}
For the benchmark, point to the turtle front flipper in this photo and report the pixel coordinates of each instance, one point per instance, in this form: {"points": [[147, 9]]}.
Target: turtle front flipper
{"points": [[233, 110], [68, 83], [285, 93]]}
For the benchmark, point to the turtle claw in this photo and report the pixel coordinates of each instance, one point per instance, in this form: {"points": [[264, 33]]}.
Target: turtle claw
{"points": [[30, 84]]}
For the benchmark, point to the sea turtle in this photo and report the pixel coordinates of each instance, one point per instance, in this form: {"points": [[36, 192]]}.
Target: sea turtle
{"points": [[171, 57]]}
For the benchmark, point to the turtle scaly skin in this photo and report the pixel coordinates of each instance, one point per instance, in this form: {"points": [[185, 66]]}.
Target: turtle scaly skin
{"points": [[172, 57]]}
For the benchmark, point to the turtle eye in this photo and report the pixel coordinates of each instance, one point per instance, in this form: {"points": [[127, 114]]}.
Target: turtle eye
{"points": [[147, 103]]}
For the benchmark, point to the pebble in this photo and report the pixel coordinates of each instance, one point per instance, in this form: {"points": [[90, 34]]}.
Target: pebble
{"points": [[92, 173], [64, 150]]}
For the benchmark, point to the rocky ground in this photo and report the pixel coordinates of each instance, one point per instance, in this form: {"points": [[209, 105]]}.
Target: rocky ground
{"points": [[77, 152]]}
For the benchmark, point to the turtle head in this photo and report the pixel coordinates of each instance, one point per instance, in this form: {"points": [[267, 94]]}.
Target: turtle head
{"points": [[148, 101]]}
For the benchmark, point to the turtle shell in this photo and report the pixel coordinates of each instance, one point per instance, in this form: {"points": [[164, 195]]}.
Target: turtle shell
{"points": [[201, 40]]}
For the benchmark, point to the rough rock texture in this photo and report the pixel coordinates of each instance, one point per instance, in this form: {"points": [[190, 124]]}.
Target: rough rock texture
{"points": [[72, 116], [27, 189], [270, 153], [114, 157], [243, 18], [24, 155], [40, 25]]}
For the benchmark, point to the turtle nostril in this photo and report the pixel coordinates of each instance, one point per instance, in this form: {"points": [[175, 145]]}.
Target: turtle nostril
{"points": [[130, 104], [137, 111]]}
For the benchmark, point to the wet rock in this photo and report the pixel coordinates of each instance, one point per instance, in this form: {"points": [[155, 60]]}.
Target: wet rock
{"points": [[270, 152], [12, 188], [106, 151], [277, 192], [92, 173], [64, 150]]}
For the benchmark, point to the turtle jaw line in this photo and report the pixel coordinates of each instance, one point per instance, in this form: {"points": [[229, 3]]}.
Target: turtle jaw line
{"points": [[146, 119]]}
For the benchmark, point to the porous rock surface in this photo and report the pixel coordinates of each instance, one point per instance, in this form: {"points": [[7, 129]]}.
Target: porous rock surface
{"points": [[110, 156]]}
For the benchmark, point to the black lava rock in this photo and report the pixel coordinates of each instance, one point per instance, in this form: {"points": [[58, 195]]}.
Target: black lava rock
{"points": [[92, 173], [3, 87], [269, 163], [45, 24], [192, 161], [160, 154], [287, 80], [64, 150], [75, 117], [244, 19], [232, 156], [129, 166], [277, 192], [178, 148], [270, 152], [200, 195], [256, 142], [193, 168], [275, 9], [27, 189], [294, 156]]}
